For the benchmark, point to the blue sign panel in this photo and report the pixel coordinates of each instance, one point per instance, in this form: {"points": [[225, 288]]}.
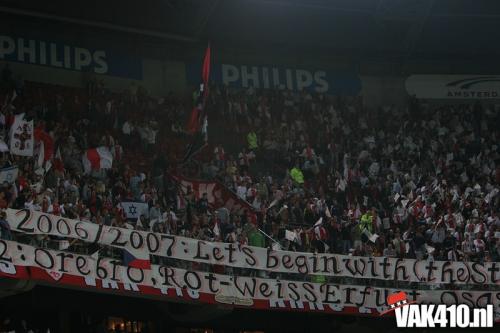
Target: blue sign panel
{"points": [[59, 55], [273, 77]]}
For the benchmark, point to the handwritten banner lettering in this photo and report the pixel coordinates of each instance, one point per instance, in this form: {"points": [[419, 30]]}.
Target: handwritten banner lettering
{"points": [[233, 255], [104, 273]]}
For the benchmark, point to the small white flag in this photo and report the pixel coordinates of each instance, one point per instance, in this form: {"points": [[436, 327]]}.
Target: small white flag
{"points": [[291, 235], [282, 209], [272, 204], [95, 255], [216, 229], [373, 238], [152, 223], [327, 248], [327, 213], [40, 154], [48, 165], [276, 246]]}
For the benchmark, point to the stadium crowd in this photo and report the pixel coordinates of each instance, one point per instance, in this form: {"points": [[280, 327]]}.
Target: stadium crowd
{"points": [[322, 173], [416, 182]]}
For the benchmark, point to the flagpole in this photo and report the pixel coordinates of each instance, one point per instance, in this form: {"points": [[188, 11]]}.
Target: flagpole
{"points": [[194, 122], [272, 239]]}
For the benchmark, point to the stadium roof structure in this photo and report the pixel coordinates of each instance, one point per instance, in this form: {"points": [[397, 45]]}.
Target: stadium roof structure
{"points": [[391, 29]]}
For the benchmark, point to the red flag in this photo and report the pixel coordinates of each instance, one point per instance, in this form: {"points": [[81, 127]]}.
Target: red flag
{"points": [[194, 123], [205, 71], [198, 117], [48, 143]]}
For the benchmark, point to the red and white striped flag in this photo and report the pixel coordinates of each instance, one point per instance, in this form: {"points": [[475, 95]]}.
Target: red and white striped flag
{"points": [[96, 159]]}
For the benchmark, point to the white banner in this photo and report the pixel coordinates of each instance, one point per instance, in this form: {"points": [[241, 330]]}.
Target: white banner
{"points": [[9, 175], [234, 255], [21, 137], [242, 291], [454, 86]]}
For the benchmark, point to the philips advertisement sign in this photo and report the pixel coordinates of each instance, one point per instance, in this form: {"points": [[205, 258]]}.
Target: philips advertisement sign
{"points": [[271, 77], [454, 86], [71, 57]]}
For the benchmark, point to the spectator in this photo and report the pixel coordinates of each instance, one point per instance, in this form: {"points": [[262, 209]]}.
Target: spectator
{"points": [[389, 251], [252, 141], [5, 232], [431, 182]]}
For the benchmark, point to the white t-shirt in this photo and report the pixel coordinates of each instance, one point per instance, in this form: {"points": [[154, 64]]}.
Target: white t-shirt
{"points": [[165, 216], [479, 245], [127, 128]]}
